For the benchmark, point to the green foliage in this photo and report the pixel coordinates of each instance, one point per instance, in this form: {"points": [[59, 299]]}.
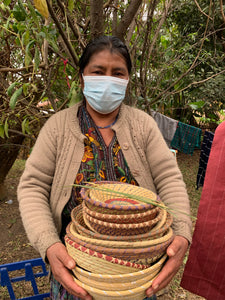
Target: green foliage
{"points": [[176, 76], [14, 98], [75, 94], [19, 13], [25, 126], [187, 45]]}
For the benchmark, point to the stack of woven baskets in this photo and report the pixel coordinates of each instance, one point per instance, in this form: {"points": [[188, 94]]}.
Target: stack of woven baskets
{"points": [[118, 242]]}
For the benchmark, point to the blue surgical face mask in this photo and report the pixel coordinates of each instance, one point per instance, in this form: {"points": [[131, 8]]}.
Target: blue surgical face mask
{"points": [[104, 93]]}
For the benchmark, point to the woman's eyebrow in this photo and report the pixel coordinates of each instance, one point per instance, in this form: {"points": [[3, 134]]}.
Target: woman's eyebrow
{"points": [[104, 68], [119, 69], [98, 67]]}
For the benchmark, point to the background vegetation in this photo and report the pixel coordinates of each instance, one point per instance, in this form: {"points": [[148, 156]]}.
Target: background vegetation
{"points": [[177, 49]]}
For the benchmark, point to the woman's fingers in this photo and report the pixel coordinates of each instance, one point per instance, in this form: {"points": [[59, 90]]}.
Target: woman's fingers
{"points": [[61, 264], [68, 283], [58, 251], [176, 252]]}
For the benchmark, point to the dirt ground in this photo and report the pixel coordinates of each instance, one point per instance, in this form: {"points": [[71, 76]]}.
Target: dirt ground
{"points": [[15, 246]]}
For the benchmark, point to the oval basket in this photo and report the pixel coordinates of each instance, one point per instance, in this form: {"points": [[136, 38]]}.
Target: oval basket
{"points": [[129, 253], [107, 197], [108, 228], [96, 262], [128, 277], [115, 286], [73, 233], [125, 218], [160, 228], [131, 294]]}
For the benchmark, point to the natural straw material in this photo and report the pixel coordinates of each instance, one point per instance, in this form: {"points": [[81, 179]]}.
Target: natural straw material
{"points": [[131, 294], [109, 228], [122, 277], [160, 228], [125, 218], [111, 198], [98, 262], [115, 286], [73, 233], [130, 253], [121, 286]]}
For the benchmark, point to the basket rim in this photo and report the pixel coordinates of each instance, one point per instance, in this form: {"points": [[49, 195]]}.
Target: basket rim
{"points": [[115, 231], [124, 225], [158, 229], [105, 257], [119, 217], [156, 265], [115, 293], [85, 195], [124, 252], [71, 230], [96, 264], [118, 284]]}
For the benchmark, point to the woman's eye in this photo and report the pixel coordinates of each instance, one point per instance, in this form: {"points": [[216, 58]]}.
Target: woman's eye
{"points": [[118, 74], [97, 72]]}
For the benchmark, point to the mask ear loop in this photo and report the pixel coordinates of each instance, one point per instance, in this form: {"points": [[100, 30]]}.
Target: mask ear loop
{"points": [[81, 81]]}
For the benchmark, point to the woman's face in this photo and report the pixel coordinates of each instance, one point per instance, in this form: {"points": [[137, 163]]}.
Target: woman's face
{"points": [[106, 63]]}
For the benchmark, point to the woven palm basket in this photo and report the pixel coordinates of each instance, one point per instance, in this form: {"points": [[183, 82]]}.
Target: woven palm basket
{"points": [[121, 278], [114, 260], [116, 198], [96, 262], [73, 234], [115, 286], [123, 219], [108, 228], [131, 294], [159, 229], [133, 254], [121, 286]]}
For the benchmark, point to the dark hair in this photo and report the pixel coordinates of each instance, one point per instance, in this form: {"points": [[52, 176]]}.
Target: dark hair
{"points": [[111, 43]]}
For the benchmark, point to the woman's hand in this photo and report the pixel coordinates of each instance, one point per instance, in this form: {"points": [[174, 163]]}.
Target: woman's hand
{"points": [[176, 252], [61, 263]]}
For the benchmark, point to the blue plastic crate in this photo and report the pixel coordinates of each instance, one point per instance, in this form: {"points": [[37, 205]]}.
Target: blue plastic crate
{"points": [[27, 265]]}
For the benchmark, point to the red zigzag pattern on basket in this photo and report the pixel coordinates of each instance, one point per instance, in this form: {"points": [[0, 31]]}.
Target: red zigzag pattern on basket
{"points": [[103, 256]]}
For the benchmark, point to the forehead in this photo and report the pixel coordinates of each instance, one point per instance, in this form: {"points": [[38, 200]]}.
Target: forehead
{"points": [[106, 57]]}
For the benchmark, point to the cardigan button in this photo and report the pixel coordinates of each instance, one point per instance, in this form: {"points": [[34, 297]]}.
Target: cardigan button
{"points": [[125, 146]]}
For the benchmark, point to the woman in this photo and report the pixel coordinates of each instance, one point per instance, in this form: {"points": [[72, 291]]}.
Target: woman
{"points": [[98, 139]]}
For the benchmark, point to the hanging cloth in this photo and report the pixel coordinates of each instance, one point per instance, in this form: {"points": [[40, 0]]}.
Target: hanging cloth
{"points": [[204, 156], [166, 125], [186, 138], [204, 271]]}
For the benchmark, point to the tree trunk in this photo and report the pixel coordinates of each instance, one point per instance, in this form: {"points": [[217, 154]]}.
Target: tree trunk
{"points": [[96, 18], [127, 18], [9, 149]]}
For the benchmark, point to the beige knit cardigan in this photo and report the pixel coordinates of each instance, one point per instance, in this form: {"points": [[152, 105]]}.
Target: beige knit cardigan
{"points": [[46, 184]]}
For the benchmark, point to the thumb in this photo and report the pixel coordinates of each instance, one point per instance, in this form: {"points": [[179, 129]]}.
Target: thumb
{"points": [[172, 249], [69, 262], [66, 259]]}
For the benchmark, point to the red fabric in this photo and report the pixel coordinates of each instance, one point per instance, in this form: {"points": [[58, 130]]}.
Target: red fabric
{"points": [[204, 273]]}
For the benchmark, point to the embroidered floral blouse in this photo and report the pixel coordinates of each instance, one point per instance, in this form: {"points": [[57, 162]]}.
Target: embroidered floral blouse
{"points": [[99, 162]]}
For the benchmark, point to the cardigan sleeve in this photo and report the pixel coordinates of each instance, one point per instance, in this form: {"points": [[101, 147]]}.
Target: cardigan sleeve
{"points": [[35, 187], [168, 180]]}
